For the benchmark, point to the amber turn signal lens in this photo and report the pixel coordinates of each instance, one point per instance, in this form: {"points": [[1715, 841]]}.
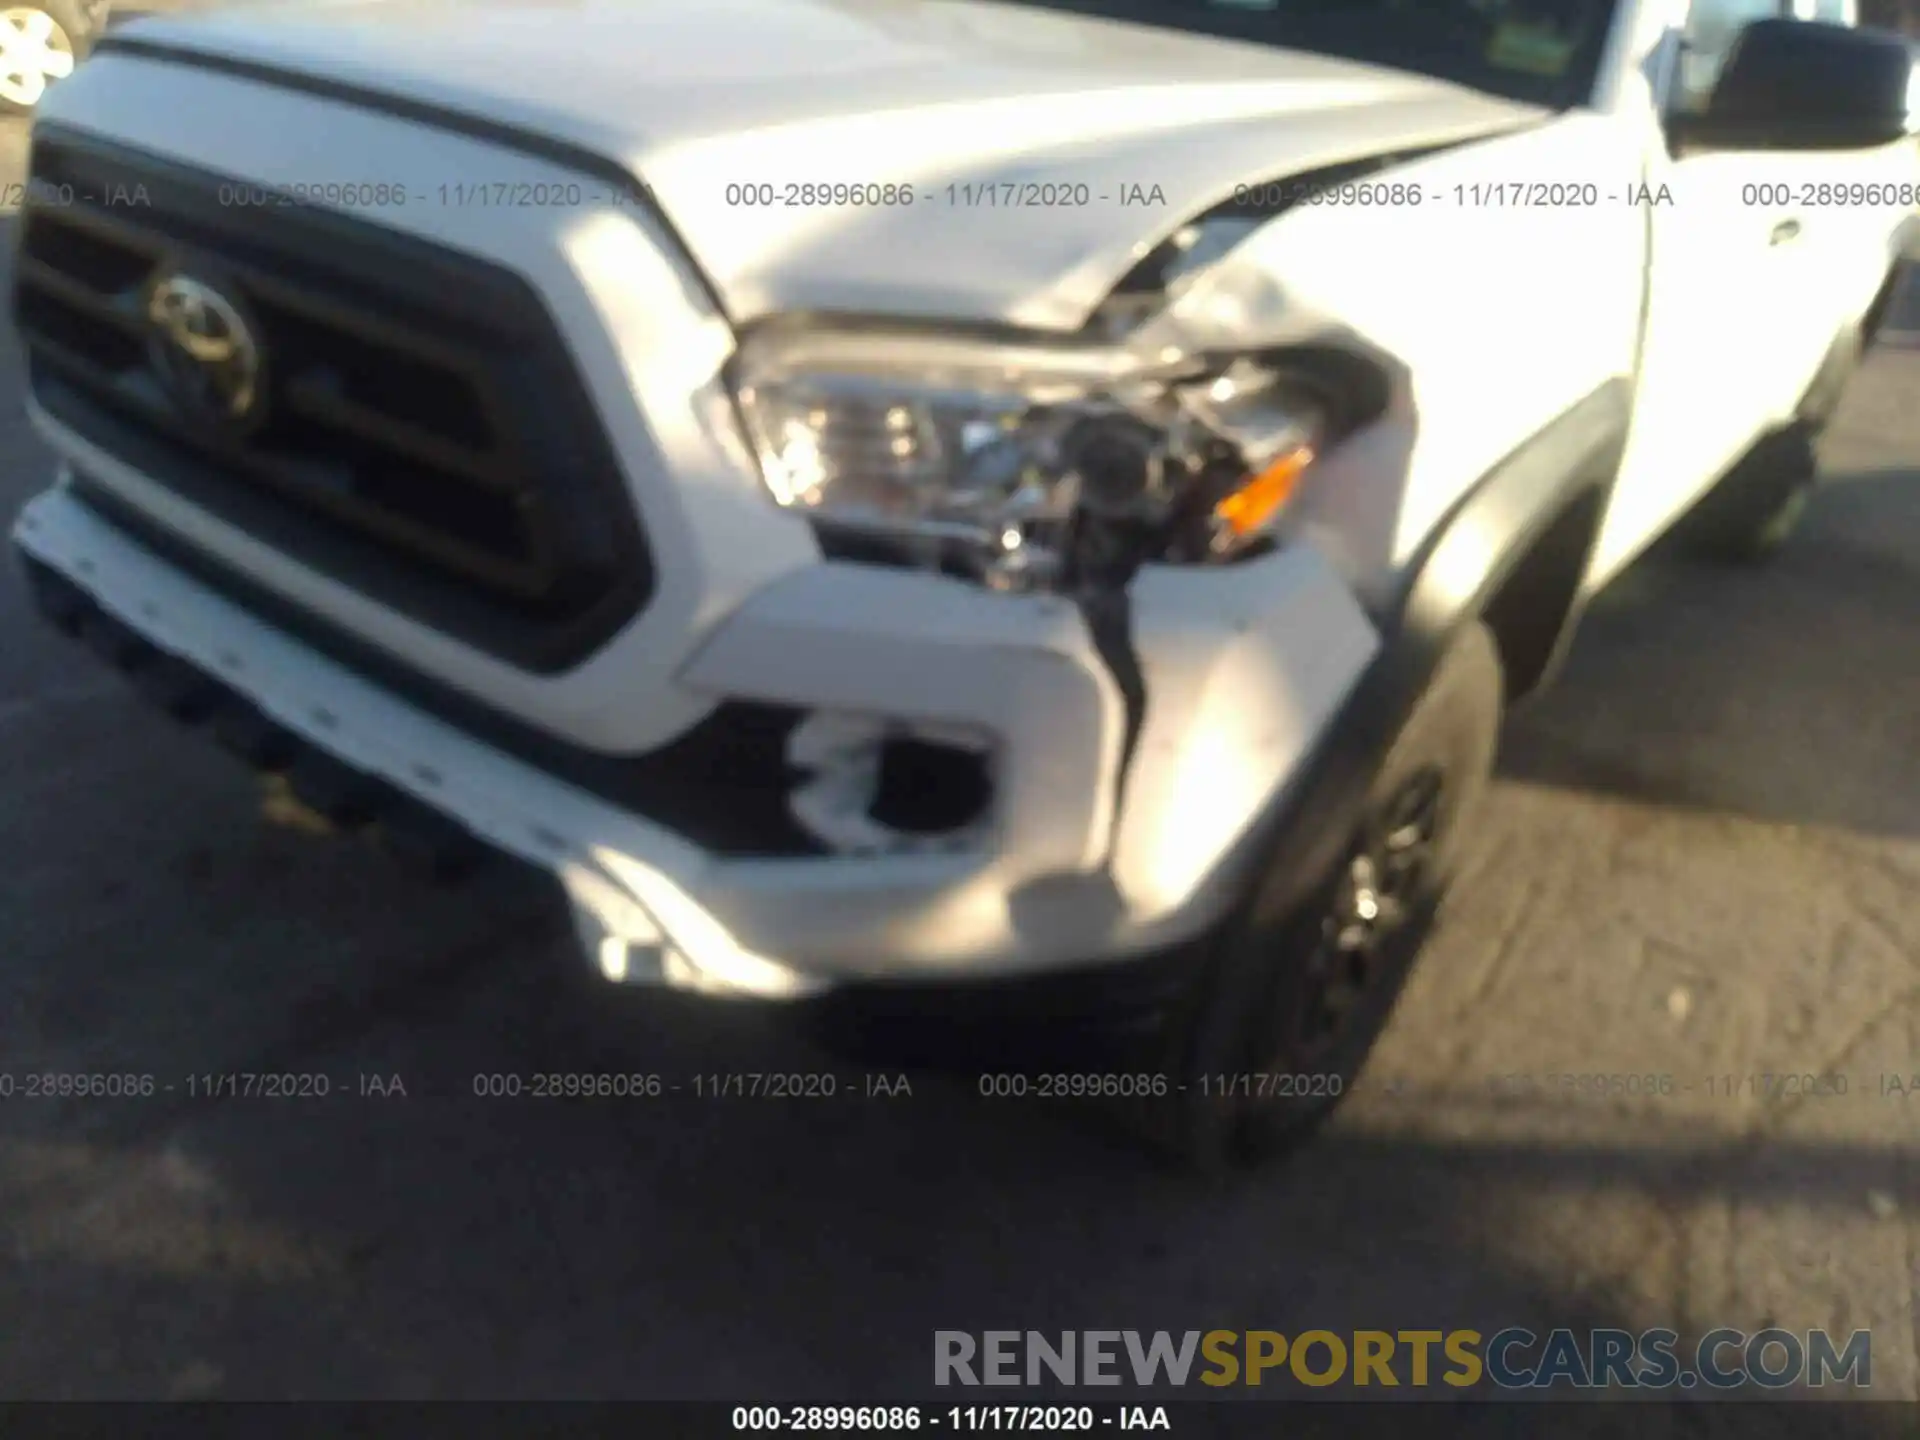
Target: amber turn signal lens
{"points": [[1260, 498]]}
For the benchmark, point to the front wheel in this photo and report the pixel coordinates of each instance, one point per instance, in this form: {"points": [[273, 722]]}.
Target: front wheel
{"points": [[40, 44], [1292, 998]]}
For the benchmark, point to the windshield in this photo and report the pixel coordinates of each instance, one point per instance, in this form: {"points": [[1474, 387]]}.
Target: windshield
{"points": [[1543, 52]]}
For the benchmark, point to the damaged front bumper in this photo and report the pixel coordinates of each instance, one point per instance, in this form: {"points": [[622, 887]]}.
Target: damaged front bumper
{"points": [[1104, 834]]}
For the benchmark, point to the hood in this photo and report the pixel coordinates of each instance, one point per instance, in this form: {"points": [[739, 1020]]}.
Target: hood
{"points": [[1045, 153]]}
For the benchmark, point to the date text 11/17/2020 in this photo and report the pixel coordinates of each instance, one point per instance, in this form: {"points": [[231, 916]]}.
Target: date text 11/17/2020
{"points": [[1769, 1085], [969, 195], [911, 1419], [203, 1085]]}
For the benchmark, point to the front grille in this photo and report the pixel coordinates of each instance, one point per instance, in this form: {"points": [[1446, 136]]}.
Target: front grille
{"points": [[425, 436]]}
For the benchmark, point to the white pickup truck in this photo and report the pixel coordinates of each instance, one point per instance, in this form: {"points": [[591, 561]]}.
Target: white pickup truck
{"points": [[1036, 509]]}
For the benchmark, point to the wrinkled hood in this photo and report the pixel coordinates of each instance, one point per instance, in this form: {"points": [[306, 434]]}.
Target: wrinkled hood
{"points": [[1071, 145]]}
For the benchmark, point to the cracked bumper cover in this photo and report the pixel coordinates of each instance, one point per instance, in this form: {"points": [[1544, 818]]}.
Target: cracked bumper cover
{"points": [[1245, 667]]}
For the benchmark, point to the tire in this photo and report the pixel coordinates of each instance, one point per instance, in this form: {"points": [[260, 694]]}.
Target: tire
{"points": [[1752, 510], [1263, 1006], [43, 41]]}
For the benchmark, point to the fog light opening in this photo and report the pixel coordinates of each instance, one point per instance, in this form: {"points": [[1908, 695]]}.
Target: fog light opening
{"points": [[888, 787], [925, 788]]}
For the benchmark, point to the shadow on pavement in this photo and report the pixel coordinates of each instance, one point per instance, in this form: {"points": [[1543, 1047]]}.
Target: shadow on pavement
{"points": [[1787, 693], [461, 1249]]}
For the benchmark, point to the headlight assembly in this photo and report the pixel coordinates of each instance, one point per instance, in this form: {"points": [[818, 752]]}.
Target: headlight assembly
{"points": [[1026, 466]]}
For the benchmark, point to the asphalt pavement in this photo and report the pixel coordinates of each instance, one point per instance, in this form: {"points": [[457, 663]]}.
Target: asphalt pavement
{"points": [[1702, 861]]}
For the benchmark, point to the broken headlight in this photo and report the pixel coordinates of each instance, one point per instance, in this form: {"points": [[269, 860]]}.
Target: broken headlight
{"points": [[1025, 465]]}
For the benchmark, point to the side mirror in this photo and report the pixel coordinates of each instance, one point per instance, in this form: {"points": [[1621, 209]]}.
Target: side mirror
{"points": [[1803, 85]]}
